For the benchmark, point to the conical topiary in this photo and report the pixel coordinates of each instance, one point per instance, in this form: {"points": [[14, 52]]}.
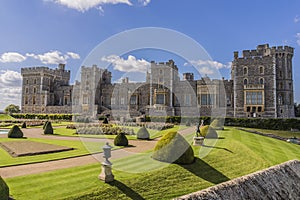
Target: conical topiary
{"points": [[15, 132], [105, 121], [44, 126], [143, 134], [121, 140], [24, 125], [173, 148], [48, 129], [4, 190], [218, 124], [208, 132]]}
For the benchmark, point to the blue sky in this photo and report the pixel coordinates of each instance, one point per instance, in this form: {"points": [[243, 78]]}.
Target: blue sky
{"points": [[45, 32]]}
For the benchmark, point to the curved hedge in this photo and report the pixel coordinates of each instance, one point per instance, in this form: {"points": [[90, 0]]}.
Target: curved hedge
{"points": [[15, 132], [48, 128], [121, 140], [173, 148], [208, 132], [4, 190], [143, 134]]}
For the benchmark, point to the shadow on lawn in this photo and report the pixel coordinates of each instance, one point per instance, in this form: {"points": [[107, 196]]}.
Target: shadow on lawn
{"points": [[205, 171], [215, 147], [126, 190]]}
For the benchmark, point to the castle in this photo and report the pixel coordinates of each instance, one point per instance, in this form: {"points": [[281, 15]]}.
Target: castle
{"points": [[261, 85]]}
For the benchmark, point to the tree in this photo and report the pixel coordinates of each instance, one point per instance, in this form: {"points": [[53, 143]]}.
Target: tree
{"points": [[12, 109], [297, 109]]}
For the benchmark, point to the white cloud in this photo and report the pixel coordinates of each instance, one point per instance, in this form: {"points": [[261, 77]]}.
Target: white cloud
{"points": [[297, 19], [208, 63], [130, 65], [73, 55], [54, 57], [12, 57], [85, 5], [144, 2], [10, 88], [298, 38]]}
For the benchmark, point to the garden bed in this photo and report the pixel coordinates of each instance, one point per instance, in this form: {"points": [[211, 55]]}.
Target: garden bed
{"points": [[29, 148]]}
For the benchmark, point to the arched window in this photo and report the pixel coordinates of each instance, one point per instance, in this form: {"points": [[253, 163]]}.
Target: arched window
{"points": [[280, 99], [245, 70], [261, 81], [261, 69], [245, 81]]}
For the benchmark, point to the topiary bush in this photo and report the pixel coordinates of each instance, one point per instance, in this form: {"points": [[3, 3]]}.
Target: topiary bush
{"points": [[24, 125], [218, 124], [173, 148], [44, 126], [15, 132], [143, 134], [48, 128], [4, 190], [105, 121], [208, 132], [121, 140]]}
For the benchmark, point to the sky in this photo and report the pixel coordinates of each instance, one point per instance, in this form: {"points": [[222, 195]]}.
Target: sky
{"points": [[48, 32]]}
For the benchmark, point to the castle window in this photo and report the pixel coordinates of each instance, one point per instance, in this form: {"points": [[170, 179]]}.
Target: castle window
{"points": [[245, 71], [160, 99], [291, 99], [34, 81], [280, 99], [122, 101], [26, 90], [245, 81], [261, 81], [280, 74], [26, 100], [34, 90], [187, 100], [261, 70], [66, 101], [160, 71], [33, 100], [207, 99], [290, 86], [27, 82], [280, 85], [254, 98], [113, 101], [133, 100]]}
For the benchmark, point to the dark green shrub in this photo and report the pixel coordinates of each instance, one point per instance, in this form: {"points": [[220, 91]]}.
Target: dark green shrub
{"points": [[105, 121], [4, 190], [121, 140], [24, 125], [173, 148], [44, 126], [15, 132], [143, 134], [48, 128]]}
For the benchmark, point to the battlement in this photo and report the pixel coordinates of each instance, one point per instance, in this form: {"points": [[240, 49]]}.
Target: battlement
{"points": [[264, 50], [170, 63], [60, 71]]}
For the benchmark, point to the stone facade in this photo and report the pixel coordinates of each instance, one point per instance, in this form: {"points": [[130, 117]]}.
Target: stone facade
{"points": [[261, 85]]}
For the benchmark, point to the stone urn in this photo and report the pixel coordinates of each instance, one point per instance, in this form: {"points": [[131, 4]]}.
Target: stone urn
{"points": [[198, 141]]}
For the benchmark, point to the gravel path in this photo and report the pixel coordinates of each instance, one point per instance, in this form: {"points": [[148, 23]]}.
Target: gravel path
{"points": [[21, 170]]}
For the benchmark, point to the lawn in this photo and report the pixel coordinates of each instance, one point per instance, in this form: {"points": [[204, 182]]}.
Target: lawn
{"points": [[153, 133], [236, 153], [79, 150], [6, 117], [285, 134]]}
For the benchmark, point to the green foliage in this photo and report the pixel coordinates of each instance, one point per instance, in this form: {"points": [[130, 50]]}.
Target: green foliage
{"points": [[218, 124], [4, 190], [143, 134], [67, 117], [44, 126], [173, 148], [24, 125], [48, 128], [12, 109], [15, 132], [105, 121], [6, 117], [177, 119], [121, 140]]}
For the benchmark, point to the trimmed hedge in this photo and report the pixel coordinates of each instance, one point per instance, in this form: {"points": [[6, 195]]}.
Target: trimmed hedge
{"points": [[173, 148], [45, 123], [67, 117], [48, 128], [218, 124], [4, 190], [15, 132], [143, 134], [208, 132], [121, 140]]}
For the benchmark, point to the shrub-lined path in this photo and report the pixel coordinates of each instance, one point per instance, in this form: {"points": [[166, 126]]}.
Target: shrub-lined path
{"points": [[136, 146]]}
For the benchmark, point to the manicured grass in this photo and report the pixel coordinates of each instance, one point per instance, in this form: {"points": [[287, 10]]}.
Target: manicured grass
{"points": [[236, 153], [79, 149], [285, 134], [6, 117], [153, 133]]}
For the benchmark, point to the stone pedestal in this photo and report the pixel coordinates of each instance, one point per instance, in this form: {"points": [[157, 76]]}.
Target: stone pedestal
{"points": [[198, 141], [106, 173]]}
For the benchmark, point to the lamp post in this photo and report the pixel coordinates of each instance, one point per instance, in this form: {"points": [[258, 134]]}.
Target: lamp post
{"points": [[106, 173]]}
